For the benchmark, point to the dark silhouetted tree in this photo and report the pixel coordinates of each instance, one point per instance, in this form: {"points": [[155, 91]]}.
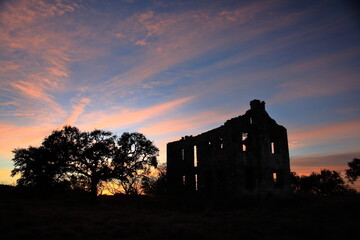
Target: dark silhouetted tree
{"points": [[329, 183], [85, 159], [353, 172], [134, 157], [155, 185], [295, 182], [88, 155], [324, 184], [38, 168], [63, 147], [95, 162]]}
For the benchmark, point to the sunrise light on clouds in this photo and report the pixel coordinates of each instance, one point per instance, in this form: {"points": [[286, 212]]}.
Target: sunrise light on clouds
{"points": [[175, 68]]}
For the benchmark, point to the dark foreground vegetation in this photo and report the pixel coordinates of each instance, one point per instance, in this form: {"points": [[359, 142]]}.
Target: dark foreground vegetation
{"points": [[56, 197], [75, 216]]}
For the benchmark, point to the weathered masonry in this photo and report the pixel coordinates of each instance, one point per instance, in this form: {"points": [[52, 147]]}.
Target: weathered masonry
{"points": [[248, 155]]}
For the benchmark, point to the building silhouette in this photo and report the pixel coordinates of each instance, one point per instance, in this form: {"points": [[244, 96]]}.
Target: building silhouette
{"points": [[248, 155]]}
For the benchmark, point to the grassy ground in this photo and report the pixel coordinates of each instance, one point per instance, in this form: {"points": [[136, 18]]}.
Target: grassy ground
{"points": [[149, 218]]}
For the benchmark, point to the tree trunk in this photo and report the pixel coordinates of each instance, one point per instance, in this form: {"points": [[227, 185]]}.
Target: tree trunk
{"points": [[93, 187]]}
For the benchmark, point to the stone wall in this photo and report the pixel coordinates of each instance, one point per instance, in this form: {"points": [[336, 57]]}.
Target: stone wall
{"points": [[248, 155]]}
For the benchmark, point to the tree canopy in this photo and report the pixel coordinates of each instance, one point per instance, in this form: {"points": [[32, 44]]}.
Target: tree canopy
{"points": [[84, 159], [325, 183], [156, 185], [353, 172]]}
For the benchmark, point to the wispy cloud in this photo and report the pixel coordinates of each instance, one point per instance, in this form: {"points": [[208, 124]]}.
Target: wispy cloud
{"points": [[125, 117], [78, 109], [7, 103], [31, 90], [8, 66], [172, 39], [38, 54], [21, 137], [323, 134], [304, 165], [187, 125], [326, 75]]}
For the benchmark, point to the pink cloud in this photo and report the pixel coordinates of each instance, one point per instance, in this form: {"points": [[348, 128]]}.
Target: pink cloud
{"points": [[141, 43], [23, 12], [127, 117], [174, 38], [334, 83], [7, 103], [31, 78], [308, 169], [304, 165], [187, 125], [325, 133], [8, 66], [118, 35], [78, 109], [18, 114], [321, 80], [34, 102], [31, 90], [21, 137]]}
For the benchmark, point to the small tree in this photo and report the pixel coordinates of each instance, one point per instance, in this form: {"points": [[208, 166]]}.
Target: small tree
{"points": [[329, 183], [353, 172]]}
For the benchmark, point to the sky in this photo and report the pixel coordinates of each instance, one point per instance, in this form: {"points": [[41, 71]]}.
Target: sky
{"points": [[173, 68]]}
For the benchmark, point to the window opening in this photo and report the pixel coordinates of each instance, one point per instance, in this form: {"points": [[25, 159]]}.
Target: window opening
{"points": [[184, 180], [272, 147], [251, 121], [244, 148], [221, 145], [244, 136], [275, 177], [183, 154], [195, 156], [196, 182]]}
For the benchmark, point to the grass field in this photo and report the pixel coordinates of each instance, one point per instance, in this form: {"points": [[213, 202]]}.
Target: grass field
{"points": [[163, 218]]}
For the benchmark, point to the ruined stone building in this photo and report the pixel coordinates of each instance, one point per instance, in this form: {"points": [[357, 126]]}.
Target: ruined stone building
{"points": [[248, 155]]}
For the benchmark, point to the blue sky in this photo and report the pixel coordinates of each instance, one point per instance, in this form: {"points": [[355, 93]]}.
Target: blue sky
{"points": [[175, 68]]}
